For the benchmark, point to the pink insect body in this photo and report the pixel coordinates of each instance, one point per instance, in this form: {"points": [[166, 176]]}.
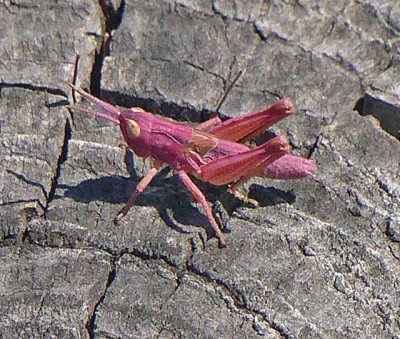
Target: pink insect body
{"points": [[212, 151]]}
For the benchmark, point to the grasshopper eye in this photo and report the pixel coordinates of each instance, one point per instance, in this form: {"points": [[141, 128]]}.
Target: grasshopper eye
{"points": [[132, 129]]}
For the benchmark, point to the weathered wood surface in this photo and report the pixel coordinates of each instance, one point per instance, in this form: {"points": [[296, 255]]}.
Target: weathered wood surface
{"points": [[318, 258]]}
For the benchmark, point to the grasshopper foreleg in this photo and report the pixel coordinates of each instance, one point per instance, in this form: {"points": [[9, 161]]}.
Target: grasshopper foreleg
{"points": [[141, 186]]}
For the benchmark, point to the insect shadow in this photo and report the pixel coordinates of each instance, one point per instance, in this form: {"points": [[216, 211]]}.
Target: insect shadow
{"points": [[173, 202], [166, 194], [270, 196]]}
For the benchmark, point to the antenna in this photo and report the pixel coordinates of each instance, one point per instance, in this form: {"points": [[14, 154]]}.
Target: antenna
{"points": [[227, 92]]}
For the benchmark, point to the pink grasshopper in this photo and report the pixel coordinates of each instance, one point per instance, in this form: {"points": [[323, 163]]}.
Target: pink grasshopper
{"points": [[211, 152]]}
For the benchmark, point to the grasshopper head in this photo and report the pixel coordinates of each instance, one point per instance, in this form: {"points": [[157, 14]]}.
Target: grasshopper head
{"points": [[136, 126], [132, 121]]}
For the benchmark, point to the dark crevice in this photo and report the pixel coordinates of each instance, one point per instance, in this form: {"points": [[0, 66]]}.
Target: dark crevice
{"points": [[314, 146], [393, 229], [386, 188], [241, 302], [226, 16], [25, 235], [22, 5], [112, 18], [54, 91], [22, 201], [273, 94], [148, 256], [91, 323], [138, 253], [61, 159], [385, 112], [202, 69], [95, 75], [259, 32], [29, 182], [359, 105], [217, 12]]}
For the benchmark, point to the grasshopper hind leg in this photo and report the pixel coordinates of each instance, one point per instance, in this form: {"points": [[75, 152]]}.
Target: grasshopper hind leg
{"points": [[199, 197]]}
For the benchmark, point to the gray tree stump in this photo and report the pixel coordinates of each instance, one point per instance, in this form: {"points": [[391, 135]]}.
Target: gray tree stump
{"points": [[319, 258]]}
